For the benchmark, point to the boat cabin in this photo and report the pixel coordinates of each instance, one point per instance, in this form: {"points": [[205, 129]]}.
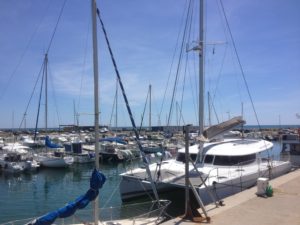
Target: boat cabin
{"points": [[228, 153]]}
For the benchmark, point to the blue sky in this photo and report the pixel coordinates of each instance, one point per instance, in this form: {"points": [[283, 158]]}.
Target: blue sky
{"points": [[143, 35]]}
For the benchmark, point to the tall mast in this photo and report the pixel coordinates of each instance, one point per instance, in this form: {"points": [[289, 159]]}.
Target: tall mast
{"points": [[46, 93], [209, 109], [201, 67], [74, 111], [96, 105], [116, 122], [150, 107]]}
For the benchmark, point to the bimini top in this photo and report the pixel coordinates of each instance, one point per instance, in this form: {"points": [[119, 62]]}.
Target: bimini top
{"points": [[238, 147]]}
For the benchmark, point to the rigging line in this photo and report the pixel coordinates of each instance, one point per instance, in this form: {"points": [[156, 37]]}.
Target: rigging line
{"points": [[213, 106], [137, 138], [220, 73], [183, 87], [39, 75], [224, 55], [54, 94], [40, 97], [118, 75], [240, 65], [84, 65], [193, 91], [218, 81], [180, 115], [22, 56], [222, 21], [186, 36], [113, 109], [179, 64], [56, 25], [112, 194], [187, 68], [173, 59], [144, 111], [186, 64]]}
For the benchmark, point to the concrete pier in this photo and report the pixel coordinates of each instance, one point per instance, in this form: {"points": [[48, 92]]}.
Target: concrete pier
{"points": [[248, 209]]}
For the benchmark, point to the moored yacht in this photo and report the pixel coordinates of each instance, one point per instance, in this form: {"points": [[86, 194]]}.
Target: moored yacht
{"points": [[225, 167], [55, 159], [80, 156], [15, 158]]}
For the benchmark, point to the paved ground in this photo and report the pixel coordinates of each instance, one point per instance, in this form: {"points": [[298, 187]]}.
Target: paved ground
{"points": [[248, 209]]}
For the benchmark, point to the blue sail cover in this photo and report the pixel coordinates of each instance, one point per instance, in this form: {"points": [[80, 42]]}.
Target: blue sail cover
{"points": [[96, 182], [114, 139], [49, 144]]}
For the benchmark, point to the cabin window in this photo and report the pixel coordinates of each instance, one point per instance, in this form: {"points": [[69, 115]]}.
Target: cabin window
{"points": [[208, 159], [181, 157], [234, 160]]}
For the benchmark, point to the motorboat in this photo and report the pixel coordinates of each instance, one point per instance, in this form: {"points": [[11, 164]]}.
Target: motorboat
{"points": [[16, 158], [80, 156]]}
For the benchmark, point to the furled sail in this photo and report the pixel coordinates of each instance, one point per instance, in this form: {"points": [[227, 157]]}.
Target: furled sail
{"points": [[50, 144], [221, 128], [96, 182]]}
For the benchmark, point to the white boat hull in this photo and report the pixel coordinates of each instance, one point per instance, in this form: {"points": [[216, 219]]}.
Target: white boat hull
{"points": [[55, 162], [132, 187], [81, 159]]}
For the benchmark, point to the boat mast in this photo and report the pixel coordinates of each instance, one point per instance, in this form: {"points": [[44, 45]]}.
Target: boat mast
{"points": [[201, 67], [46, 93], [150, 107], [96, 105], [116, 122]]}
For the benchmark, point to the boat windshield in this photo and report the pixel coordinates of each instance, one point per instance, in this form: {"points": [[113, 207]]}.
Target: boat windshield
{"points": [[226, 160], [181, 157], [209, 159]]}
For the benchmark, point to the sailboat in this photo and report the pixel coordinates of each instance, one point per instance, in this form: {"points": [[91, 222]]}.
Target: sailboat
{"points": [[55, 158], [221, 168]]}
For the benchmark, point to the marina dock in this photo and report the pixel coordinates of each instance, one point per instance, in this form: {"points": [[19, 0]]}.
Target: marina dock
{"points": [[247, 208]]}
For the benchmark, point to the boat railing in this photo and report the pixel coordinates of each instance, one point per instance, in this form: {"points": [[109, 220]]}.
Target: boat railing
{"points": [[236, 170], [18, 222]]}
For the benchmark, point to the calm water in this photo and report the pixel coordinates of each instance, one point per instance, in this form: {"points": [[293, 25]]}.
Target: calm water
{"points": [[32, 195]]}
